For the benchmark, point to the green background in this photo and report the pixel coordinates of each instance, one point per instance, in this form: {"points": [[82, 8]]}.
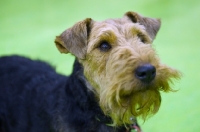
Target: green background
{"points": [[29, 27]]}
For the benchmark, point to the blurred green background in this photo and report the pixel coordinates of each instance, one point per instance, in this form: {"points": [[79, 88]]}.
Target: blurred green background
{"points": [[29, 27]]}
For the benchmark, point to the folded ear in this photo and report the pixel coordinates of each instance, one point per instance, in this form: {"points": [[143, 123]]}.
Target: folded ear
{"points": [[152, 25], [74, 39]]}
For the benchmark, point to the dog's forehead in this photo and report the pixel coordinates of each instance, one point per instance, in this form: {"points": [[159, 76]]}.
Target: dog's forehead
{"points": [[118, 25], [112, 23]]}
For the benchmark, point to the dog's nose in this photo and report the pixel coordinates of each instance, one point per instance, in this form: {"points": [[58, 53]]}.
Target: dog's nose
{"points": [[146, 73]]}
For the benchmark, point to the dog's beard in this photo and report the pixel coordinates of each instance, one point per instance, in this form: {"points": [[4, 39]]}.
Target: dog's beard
{"points": [[121, 101], [121, 109]]}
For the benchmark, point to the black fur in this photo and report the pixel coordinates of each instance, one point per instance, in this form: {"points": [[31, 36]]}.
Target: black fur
{"points": [[34, 98]]}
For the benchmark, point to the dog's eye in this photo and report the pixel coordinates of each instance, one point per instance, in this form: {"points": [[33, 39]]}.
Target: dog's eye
{"points": [[142, 38], [104, 46]]}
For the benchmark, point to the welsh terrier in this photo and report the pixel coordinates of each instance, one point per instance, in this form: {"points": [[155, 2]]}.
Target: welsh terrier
{"points": [[117, 77]]}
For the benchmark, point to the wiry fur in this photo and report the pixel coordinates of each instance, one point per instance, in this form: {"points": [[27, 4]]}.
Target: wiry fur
{"points": [[102, 94], [111, 74], [34, 98]]}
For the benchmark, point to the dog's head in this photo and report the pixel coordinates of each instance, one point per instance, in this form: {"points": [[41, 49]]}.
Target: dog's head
{"points": [[120, 64]]}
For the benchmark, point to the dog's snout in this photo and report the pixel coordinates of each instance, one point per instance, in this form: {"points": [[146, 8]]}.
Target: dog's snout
{"points": [[146, 73]]}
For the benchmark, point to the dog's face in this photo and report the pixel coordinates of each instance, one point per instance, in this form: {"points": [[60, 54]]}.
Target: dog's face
{"points": [[120, 64]]}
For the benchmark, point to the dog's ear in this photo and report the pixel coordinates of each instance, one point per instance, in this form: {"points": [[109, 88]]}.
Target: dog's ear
{"points": [[152, 25], [74, 39]]}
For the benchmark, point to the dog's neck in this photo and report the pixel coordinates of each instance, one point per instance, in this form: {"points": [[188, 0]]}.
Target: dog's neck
{"points": [[86, 88]]}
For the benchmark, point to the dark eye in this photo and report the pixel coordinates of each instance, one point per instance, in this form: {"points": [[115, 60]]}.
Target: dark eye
{"points": [[142, 38], [104, 46]]}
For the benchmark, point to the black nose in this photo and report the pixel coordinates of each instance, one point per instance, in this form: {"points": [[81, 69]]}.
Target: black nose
{"points": [[146, 73]]}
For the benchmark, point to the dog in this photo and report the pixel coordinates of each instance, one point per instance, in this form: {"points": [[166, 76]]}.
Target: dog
{"points": [[117, 77]]}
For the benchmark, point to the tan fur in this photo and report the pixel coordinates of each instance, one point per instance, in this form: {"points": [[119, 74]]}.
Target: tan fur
{"points": [[111, 74]]}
